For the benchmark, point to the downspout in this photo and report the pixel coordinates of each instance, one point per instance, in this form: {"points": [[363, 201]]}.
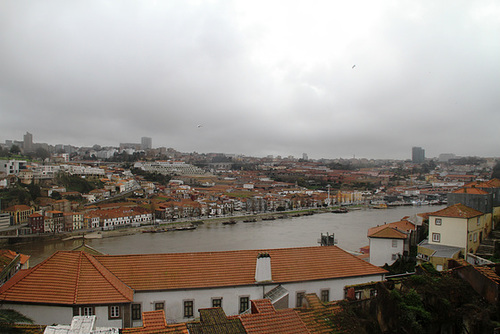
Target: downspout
{"points": [[467, 242]]}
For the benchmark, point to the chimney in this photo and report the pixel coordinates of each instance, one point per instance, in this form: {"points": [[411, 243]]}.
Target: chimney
{"points": [[263, 268]]}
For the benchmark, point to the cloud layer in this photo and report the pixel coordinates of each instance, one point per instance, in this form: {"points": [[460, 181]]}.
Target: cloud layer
{"points": [[331, 79]]}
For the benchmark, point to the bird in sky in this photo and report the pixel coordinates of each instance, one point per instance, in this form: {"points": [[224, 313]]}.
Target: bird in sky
{"points": [[199, 125], [353, 66]]}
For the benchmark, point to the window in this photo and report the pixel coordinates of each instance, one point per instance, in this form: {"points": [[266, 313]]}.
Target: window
{"points": [[475, 237], [358, 295], [438, 221], [188, 309], [114, 312], [84, 310], [159, 306], [436, 237], [216, 302], [300, 297], [325, 295], [89, 310], [244, 304], [373, 293], [136, 312], [394, 257], [394, 243]]}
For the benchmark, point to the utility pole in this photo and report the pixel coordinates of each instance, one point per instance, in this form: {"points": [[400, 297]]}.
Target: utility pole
{"points": [[328, 187]]}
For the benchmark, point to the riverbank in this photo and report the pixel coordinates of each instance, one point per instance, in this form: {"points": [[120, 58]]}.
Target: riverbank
{"points": [[130, 230], [349, 229]]}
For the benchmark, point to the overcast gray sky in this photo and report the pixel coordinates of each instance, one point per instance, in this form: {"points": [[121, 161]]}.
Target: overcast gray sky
{"points": [[327, 78]]}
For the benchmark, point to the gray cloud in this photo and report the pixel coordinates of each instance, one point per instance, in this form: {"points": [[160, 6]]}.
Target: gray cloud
{"points": [[261, 78]]}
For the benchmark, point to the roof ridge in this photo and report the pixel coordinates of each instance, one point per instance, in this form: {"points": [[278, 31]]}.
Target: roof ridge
{"points": [[78, 270], [120, 286]]}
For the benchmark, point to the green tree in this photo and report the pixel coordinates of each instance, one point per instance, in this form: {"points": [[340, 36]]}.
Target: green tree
{"points": [[34, 191], [15, 149], [56, 195], [42, 153], [75, 183]]}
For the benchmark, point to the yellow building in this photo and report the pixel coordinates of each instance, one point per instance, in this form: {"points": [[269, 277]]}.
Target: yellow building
{"points": [[20, 213], [349, 197], [453, 232], [459, 226]]}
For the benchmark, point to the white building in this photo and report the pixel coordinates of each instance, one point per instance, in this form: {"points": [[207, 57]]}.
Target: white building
{"points": [[12, 167], [169, 167], [118, 288], [390, 241]]}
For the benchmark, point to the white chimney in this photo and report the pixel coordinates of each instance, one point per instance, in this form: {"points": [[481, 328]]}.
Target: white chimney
{"points": [[263, 268]]}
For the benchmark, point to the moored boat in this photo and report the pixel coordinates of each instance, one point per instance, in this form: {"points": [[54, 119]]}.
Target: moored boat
{"points": [[340, 210], [231, 222]]}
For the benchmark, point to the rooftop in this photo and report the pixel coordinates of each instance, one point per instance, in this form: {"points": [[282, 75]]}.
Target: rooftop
{"points": [[76, 277], [154, 323], [457, 211], [265, 319]]}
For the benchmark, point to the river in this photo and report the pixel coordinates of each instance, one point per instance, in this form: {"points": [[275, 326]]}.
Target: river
{"points": [[350, 231]]}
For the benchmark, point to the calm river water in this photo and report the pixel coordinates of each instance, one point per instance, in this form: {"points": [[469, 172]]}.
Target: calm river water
{"points": [[350, 230]]}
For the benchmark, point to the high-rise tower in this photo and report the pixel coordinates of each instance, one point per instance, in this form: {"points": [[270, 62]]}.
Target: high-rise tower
{"points": [[146, 143], [417, 155]]}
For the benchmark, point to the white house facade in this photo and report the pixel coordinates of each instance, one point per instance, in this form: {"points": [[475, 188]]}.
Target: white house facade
{"points": [[118, 288], [386, 250]]}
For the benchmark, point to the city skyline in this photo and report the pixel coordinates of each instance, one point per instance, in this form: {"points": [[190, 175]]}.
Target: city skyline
{"points": [[415, 154], [335, 79]]}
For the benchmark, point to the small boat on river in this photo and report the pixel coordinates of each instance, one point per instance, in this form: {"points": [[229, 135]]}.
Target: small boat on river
{"points": [[185, 228], [231, 222]]}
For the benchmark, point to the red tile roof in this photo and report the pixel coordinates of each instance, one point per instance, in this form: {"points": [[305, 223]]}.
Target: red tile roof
{"points": [[229, 268], [268, 320], [402, 226], [214, 321], [318, 316], [489, 273], [457, 211], [70, 277], [387, 232], [20, 207], [154, 323], [67, 278], [7, 255], [472, 191]]}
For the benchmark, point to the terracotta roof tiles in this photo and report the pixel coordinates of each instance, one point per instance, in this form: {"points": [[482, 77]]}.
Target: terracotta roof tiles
{"points": [[489, 272], [318, 316], [471, 190], [66, 278], [214, 321], [182, 270], [388, 233], [403, 226], [70, 277], [154, 323], [457, 211], [268, 320]]}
